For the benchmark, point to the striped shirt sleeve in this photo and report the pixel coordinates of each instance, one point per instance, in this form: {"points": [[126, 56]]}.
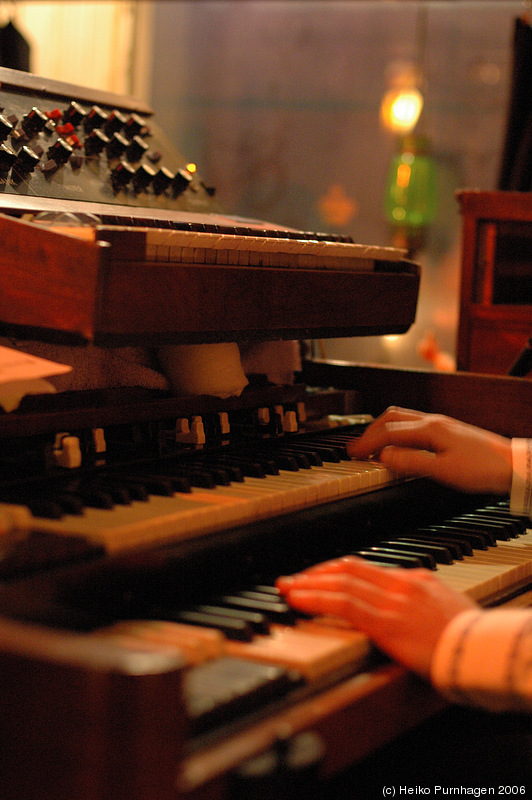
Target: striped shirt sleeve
{"points": [[521, 492], [484, 658]]}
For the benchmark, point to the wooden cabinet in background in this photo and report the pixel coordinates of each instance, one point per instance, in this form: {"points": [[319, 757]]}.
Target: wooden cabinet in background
{"points": [[496, 292]]}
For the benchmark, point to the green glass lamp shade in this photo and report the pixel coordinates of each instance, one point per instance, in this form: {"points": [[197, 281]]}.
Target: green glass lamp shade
{"points": [[410, 199]]}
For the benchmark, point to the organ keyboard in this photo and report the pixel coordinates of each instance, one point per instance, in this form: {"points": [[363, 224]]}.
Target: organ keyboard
{"points": [[141, 534]]}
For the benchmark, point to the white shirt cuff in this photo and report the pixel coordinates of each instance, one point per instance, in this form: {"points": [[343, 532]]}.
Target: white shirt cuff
{"points": [[521, 492], [485, 658]]}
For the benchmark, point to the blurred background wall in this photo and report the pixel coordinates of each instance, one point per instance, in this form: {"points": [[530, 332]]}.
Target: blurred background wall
{"points": [[278, 102]]}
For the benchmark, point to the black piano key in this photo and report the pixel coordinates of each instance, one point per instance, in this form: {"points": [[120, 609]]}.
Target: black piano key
{"points": [[118, 492], [337, 443], [433, 555], [90, 493], [443, 552], [137, 491], [329, 454], [70, 503], [389, 559], [519, 523], [160, 484], [201, 478], [285, 461], [223, 474], [267, 463], [256, 594], [450, 537], [487, 531], [208, 474], [250, 467], [504, 505], [235, 473], [97, 499], [388, 548], [302, 460], [308, 455], [184, 475], [504, 529], [44, 507], [256, 621], [474, 538], [276, 611], [40, 505], [236, 629], [267, 589]]}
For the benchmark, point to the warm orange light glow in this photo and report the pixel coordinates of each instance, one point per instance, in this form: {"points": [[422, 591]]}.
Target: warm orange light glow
{"points": [[400, 109], [403, 175], [191, 168]]}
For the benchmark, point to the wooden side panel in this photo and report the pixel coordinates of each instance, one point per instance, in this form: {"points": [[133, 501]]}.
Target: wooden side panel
{"points": [[85, 722], [491, 335], [47, 280]]}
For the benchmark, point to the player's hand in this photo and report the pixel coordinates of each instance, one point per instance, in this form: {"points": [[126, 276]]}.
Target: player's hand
{"points": [[451, 452]]}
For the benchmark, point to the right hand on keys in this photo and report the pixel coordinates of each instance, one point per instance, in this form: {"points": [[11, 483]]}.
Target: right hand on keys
{"points": [[403, 612], [431, 445]]}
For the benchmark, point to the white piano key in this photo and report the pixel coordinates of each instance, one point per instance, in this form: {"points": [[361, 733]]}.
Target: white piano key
{"points": [[206, 510], [269, 251]]}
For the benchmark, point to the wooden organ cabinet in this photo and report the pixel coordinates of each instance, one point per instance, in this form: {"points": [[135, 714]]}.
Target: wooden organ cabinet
{"points": [[496, 294], [144, 654]]}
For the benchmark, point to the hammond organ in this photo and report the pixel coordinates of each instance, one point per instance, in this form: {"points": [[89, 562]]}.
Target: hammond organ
{"points": [[144, 652]]}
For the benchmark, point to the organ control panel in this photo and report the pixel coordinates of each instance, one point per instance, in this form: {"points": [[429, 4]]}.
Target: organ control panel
{"points": [[57, 145], [89, 162]]}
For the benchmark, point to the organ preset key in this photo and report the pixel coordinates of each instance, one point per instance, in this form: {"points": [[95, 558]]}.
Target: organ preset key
{"points": [[255, 248]]}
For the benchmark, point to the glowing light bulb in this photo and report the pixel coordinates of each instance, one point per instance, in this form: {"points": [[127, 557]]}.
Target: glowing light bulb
{"points": [[401, 108]]}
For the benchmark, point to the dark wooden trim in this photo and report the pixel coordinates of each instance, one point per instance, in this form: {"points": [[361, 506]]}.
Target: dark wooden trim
{"points": [[499, 403]]}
